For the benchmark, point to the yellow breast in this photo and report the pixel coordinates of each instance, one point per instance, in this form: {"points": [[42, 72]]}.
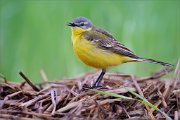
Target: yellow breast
{"points": [[92, 55]]}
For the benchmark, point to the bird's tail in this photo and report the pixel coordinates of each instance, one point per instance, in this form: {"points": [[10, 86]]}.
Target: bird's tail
{"points": [[155, 61]]}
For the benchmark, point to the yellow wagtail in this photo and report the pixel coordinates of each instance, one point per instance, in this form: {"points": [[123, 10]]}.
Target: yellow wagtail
{"points": [[98, 48]]}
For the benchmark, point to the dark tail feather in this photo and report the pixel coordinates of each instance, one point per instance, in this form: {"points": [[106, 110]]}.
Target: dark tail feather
{"points": [[155, 61]]}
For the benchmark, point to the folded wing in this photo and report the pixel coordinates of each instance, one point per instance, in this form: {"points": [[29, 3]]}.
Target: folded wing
{"points": [[106, 41]]}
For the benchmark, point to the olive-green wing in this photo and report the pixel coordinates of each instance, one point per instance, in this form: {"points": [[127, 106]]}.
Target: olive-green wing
{"points": [[107, 42]]}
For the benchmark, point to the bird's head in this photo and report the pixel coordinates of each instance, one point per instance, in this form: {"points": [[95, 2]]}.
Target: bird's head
{"points": [[81, 23]]}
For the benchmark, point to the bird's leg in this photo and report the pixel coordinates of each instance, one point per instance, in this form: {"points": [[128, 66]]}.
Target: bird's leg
{"points": [[96, 84]]}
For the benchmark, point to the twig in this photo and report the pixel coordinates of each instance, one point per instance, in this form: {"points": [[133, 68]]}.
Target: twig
{"points": [[100, 109], [174, 80], [3, 77], [29, 82], [47, 116], [30, 102], [137, 86], [9, 96], [121, 90], [104, 102], [176, 116], [54, 100], [12, 117], [163, 95], [141, 93], [169, 88], [44, 76], [22, 84], [126, 112], [70, 106], [70, 102], [162, 99], [69, 94], [157, 75]]}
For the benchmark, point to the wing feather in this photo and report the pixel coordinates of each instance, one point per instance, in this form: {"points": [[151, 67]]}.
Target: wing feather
{"points": [[106, 41]]}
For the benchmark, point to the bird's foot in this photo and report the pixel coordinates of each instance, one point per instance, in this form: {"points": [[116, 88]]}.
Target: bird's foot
{"points": [[86, 87]]}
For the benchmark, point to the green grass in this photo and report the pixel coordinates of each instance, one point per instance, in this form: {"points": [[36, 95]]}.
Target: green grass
{"points": [[111, 94], [34, 35], [140, 98]]}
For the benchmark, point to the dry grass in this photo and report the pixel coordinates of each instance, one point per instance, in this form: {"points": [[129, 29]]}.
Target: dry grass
{"points": [[67, 99]]}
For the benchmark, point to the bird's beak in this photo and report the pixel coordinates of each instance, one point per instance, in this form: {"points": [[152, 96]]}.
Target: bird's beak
{"points": [[71, 24]]}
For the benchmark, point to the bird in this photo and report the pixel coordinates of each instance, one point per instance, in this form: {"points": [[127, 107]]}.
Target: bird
{"points": [[99, 49]]}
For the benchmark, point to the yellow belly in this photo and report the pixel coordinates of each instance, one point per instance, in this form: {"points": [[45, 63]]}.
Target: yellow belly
{"points": [[90, 54]]}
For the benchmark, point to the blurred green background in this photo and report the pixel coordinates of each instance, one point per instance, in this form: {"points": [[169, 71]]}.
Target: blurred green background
{"points": [[34, 35]]}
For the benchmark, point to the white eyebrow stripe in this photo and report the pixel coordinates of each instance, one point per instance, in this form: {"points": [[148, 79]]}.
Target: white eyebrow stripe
{"points": [[84, 22]]}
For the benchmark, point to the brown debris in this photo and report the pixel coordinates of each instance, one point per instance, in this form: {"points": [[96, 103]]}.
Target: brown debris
{"points": [[66, 99]]}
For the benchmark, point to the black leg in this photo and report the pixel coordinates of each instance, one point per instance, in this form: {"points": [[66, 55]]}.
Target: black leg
{"points": [[96, 84]]}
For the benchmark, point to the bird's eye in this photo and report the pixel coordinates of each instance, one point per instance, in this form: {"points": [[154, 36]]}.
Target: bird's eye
{"points": [[81, 24]]}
